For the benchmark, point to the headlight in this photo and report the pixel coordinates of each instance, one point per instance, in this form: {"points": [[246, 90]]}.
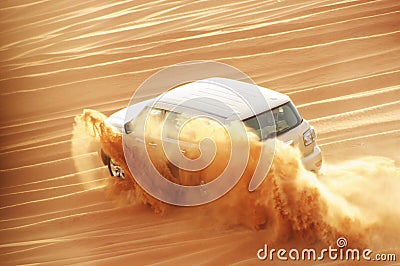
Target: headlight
{"points": [[309, 137]]}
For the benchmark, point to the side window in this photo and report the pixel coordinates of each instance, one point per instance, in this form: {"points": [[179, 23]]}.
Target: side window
{"points": [[173, 124], [148, 117], [157, 113]]}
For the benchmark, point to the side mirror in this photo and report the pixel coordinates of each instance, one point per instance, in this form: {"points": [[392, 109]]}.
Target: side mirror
{"points": [[128, 127]]}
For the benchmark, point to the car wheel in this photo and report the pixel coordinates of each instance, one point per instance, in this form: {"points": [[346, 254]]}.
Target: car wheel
{"points": [[115, 169]]}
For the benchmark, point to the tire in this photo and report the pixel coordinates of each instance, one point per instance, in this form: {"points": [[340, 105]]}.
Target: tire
{"points": [[115, 169]]}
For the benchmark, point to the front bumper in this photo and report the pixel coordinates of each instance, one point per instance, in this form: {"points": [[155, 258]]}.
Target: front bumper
{"points": [[313, 161]]}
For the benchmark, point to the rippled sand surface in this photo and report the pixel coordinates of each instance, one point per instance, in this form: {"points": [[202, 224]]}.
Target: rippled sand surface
{"points": [[339, 61]]}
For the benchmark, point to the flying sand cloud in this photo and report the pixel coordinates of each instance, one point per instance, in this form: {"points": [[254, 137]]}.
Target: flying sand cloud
{"points": [[292, 203]]}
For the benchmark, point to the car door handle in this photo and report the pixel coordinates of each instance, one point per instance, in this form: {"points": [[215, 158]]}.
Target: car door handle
{"points": [[289, 142], [152, 144]]}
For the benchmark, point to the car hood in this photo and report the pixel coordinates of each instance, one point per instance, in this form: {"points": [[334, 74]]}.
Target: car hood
{"points": [[117, 119]]}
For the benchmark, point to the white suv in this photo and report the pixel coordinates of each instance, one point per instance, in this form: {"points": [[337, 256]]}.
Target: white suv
{"points": [[200, 97]]}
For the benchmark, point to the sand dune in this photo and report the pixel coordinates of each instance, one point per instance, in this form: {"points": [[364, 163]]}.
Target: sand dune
{"points": [[339, 61]]}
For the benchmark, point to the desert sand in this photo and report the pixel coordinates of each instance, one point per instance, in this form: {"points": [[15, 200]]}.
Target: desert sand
{"points": [[339, 61]]}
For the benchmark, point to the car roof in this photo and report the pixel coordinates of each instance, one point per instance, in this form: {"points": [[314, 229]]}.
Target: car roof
{"points": [[222, 98]]}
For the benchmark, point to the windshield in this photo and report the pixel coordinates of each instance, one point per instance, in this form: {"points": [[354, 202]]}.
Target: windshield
{"points": [[273, 123]]}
